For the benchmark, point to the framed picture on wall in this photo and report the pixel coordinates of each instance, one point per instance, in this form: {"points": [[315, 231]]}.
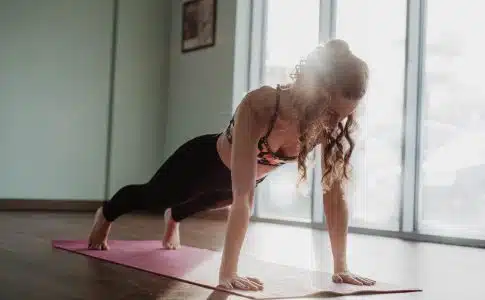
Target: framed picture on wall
{"points": [[198, 24]]}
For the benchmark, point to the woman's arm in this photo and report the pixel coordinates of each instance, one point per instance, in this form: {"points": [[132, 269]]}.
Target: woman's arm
{"points": [[246, 133], [337, 215]]}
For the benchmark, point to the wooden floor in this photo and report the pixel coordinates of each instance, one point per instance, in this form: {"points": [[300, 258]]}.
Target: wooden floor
{"points": [[31, 269]]}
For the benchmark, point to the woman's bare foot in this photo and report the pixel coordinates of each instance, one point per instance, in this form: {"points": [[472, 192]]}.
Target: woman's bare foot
{"points": [[98, 239], [171, 237]]}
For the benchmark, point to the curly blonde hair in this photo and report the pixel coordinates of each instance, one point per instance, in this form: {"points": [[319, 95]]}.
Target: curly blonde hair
{"points": [[329, 70]]}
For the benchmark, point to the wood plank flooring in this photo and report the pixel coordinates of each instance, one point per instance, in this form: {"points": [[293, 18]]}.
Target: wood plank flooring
{"points": [[31, 269]]}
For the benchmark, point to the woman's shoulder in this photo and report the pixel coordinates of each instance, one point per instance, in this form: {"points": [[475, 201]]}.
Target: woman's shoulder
{"points": [[260, 95], [260, 101]]}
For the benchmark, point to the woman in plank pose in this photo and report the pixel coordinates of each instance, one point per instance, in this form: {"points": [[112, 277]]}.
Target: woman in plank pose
{"points": [[271, 127]]}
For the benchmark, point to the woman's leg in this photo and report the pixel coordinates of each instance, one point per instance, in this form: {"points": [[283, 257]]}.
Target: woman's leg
{"points": [[218, 197], [198, 203], [127, 199], [212, 190], [213, 199], [124, 201], [201, 202], [173, 183]]}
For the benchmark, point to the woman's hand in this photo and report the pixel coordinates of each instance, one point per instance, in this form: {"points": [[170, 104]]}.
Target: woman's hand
{"points": [[347, 277], [241, 283]]}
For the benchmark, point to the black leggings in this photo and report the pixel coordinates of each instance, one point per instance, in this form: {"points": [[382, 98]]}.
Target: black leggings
{"points": [[191, 180]]}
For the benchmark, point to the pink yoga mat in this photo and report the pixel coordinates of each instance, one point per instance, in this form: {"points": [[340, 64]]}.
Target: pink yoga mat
{"points": [[200, 267]]}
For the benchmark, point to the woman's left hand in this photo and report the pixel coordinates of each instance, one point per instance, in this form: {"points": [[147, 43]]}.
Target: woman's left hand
{"points": [[347, 277]]}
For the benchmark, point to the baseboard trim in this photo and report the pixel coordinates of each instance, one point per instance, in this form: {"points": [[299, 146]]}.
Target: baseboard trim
{"points": [[83, 206], [49, 205]]}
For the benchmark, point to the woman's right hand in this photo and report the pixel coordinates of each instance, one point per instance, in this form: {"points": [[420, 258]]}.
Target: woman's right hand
{"points": [[241, 283]]}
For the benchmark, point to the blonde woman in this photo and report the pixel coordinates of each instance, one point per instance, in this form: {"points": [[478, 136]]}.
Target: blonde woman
{"points": [[271, 127]]}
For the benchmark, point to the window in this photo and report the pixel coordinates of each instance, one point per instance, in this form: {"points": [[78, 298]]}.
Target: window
{"points": [[292, 30], [419, 161], [452, 187], [375, 191]]}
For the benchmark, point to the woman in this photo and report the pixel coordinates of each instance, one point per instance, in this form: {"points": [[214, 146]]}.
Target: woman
{"points": [[271, 127]]}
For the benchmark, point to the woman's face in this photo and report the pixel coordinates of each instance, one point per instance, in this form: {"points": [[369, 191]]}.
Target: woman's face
{"points": [[342, 107], [336, 109]]}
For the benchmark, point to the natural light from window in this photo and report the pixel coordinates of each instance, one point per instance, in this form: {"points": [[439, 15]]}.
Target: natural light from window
{"points": [[292, 32]]}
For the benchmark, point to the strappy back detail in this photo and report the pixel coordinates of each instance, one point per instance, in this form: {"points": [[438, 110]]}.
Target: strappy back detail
{"points": [[265, 155]]}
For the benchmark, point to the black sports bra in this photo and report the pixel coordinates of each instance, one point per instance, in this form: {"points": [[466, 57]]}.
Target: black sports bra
{"points": [[265, 155]]}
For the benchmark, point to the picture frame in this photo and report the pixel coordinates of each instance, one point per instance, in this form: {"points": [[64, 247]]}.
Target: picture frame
{"points": [[198, 24]]}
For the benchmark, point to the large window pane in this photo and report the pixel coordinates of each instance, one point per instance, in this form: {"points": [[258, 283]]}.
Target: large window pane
{"points": [[292, 30], [376, 31], [452, 198]]}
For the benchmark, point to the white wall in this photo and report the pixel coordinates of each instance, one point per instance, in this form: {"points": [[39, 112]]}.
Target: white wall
{"points": [[55, 85], [54, 96], [203, 83], [140, 91], [55, 58]]}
